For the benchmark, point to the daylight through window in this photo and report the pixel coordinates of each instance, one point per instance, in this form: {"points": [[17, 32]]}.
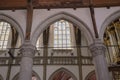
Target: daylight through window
{"points": [[4, 34], [62, 34]]}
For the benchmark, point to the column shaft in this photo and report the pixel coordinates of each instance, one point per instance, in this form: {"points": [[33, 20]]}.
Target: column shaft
{"points": [[98, 53], [26, 64]]}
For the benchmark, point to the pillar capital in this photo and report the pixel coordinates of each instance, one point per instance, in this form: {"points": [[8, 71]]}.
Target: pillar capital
{"points": [[98, 52], [97, 48], [27, 49]]}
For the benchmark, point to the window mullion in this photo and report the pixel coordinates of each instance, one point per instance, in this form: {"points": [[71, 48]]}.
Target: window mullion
{"points": [[2, 35]]}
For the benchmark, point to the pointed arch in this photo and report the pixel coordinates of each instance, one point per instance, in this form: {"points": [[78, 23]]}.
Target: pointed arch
{"points": [[107, 21], [91, 76], [13, 23], [62, 15], [62, 70], [34, 73]]}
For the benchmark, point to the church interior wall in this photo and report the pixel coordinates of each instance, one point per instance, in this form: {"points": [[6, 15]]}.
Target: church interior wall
{"points": [[3, 71], [51, 69], [39, 70], [18, 15], [14, 71], [86, 70], [102, 13]]}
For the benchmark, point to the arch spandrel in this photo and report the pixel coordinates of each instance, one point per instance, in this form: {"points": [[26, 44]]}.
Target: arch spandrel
{"points": [[45, 24], [13, 23], [107, 21], [53, 75]]}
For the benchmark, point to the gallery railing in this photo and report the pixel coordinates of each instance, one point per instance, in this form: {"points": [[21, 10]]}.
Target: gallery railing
{"points": [[63, 57], [54, 57]]}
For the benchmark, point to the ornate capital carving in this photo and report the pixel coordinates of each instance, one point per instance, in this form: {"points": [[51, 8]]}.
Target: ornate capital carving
{"points": [[27, 49], [97, 48]]}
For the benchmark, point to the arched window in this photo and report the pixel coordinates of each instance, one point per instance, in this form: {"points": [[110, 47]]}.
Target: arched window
{"points": [[91, 76], [62, 34], [4, 34], [34, 76], [62, 74]]}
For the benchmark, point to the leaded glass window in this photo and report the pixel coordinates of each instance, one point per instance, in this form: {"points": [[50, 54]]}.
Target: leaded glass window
{"points": [[62, 35], [4, 34]]}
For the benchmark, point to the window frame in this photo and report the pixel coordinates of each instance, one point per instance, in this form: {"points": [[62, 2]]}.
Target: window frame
{"points": [[62, 35], [5, 29]]}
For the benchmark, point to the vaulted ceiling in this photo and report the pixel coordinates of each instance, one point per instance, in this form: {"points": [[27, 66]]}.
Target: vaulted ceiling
{"points": [[48, 4]]}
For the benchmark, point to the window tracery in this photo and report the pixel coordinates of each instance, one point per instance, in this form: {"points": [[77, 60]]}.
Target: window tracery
{"points": [[4, 34], [62, 34]]}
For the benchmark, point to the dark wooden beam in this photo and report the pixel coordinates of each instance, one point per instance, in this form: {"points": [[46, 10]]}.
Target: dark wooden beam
{"points": [[29, 19], [51, 4], [94, 21]]}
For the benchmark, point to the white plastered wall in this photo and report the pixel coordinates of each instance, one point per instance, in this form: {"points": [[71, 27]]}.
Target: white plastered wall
{"points": [[51, 69], [86, 70], [39, 70], [14, 70], [102, 13], [3, 71]]}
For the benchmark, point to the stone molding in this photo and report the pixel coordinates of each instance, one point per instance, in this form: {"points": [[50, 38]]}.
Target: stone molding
{"points": [[14, 23], [27, 49], [62, 15], [97, 48]]}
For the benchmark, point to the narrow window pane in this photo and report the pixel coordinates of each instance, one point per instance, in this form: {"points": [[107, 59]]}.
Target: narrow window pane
{"points": [[55, 42], [5, 43], [64, 36], [68, 37], [60, 42], [55, 45], [64, 42], [1, 42], [55, 37], [60, 32], [60, 37], [2, 37], [55, 32], [6, 37], [68, 32]]}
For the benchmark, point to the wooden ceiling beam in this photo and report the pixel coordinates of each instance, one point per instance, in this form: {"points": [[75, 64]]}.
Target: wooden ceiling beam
{"points": [[45, 4], [29, 20]]}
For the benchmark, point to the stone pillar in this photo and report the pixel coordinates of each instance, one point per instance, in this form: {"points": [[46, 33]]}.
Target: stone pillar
{"points": [[98, 52], [28, 51]]}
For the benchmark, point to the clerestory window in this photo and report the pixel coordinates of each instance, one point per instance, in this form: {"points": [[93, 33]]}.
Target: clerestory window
{"points": [[62, 34], [4, 34]]}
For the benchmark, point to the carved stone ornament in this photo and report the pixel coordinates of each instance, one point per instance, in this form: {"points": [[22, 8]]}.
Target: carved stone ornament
{"points": [[27, 49], [97, 48]]}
